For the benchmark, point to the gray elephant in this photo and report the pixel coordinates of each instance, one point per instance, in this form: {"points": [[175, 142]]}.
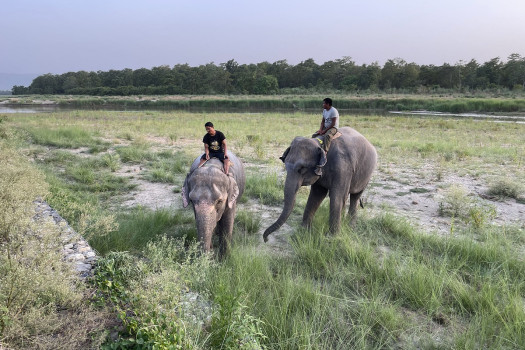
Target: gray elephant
{"points": [[214, 195], [345, 170]]}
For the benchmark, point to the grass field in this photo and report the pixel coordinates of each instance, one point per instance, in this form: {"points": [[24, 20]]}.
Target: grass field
{"points": [[385, 283]]}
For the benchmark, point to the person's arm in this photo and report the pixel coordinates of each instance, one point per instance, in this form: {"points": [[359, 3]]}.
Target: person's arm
{"points": [[321, 127], [224, 147], [207, 151]]}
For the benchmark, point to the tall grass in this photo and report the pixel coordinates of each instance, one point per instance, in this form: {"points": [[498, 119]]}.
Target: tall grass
{"points": [[382, 284], [267, 188], [140, 226], [41, 301], [66, 137]]}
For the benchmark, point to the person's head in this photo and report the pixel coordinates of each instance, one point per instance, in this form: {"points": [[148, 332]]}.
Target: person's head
{"points": [[327, 103], [209, 128]]}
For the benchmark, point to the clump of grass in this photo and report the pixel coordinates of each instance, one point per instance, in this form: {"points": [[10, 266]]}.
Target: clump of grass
{"points": [[152, 297], [41, 305], [168, 166], [457, 203], [70, 137], [248, 222], [266, 188], [419, 190], [506, 188], [135, 154], [111, 161], [140, 226]]}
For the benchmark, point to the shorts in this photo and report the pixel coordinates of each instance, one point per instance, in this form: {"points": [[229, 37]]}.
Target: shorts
{"points": [[219, 155]]}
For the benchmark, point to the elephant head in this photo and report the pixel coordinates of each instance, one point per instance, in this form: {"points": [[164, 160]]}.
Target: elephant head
{"points": [[303, 160], [213, 195]]}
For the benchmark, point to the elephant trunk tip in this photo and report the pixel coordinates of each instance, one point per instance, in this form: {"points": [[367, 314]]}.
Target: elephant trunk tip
{"points": [[271, 229]]}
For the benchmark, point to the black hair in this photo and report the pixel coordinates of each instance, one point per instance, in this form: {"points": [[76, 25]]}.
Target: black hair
{"points": [[328, 101], [208, 124]]}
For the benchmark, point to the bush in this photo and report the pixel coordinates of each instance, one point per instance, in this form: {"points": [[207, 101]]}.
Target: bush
{"points": [[505, 188], [41, 305]]}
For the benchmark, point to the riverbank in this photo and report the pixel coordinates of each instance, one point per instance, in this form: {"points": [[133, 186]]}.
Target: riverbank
{"points": [[451, 103]]}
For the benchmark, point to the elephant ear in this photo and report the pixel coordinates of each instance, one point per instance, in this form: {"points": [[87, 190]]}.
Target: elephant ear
{"points": [[233, 192], [283, 157], [184, 193], [322, 158]]}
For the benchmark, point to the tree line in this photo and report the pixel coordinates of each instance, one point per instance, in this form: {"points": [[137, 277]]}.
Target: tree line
{"points": [[271, 78]]}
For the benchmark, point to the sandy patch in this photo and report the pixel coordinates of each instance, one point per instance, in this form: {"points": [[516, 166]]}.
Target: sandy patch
{"points": [[152, 195]]}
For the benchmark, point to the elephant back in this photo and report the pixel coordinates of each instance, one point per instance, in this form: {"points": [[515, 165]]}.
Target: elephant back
{"points": [[236, 168]]}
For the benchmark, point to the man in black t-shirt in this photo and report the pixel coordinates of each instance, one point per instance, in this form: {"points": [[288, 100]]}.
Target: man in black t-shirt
{"points": [[215, 146]]}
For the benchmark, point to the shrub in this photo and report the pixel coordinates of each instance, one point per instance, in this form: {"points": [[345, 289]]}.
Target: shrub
{"points": [[41, 305], [505, 188], [456, 202]]}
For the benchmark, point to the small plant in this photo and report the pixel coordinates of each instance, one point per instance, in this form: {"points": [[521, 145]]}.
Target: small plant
{"points": [[233, 327], [247, 221], [111, 161], [506, 188], [266, 188], [457, 203]]}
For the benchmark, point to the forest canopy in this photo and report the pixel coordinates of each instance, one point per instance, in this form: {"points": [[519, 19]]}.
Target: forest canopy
{"points": [[281, 77]]}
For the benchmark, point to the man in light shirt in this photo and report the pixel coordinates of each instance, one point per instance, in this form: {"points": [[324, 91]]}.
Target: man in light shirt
{"points": [[329, 123]]}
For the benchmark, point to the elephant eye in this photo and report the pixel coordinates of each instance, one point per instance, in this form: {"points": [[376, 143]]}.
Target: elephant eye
{"points": [[303, 171]]}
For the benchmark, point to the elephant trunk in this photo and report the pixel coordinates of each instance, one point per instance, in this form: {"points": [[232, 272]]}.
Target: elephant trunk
{"points": [[291, 187], [205, 218]]}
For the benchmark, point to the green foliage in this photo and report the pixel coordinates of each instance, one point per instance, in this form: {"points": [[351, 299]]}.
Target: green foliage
{"points": [[267, 188], [232, 326], [135, 153], [457, 203], [340, 75], [168, 166], [111, 161], [150, 297], [248, 222], [70, 137], [506, 188], [40, 300], [140, 226]]}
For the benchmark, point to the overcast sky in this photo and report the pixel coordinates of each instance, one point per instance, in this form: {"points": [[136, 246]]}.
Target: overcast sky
{"points": [[57, 36]]}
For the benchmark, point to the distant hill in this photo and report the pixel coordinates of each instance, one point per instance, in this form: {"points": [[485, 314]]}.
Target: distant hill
{"points": [[8, 80]]}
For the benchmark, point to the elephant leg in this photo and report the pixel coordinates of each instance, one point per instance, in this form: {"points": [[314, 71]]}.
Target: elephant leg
{"points": [[316, 197], [352, 209], [225, 230], [337, 201]]}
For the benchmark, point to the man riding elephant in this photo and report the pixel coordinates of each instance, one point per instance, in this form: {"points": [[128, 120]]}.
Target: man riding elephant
{"points": [[329, 124]]}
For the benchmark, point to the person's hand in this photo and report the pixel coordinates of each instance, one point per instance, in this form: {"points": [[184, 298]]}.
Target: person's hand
{"points": [[207, 156]]}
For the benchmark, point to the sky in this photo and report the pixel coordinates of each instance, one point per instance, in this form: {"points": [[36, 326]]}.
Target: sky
{"points": [[59, 36]]}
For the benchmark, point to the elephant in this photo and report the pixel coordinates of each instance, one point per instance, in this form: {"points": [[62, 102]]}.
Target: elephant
{"points": [[214, 195], [344, 170]]}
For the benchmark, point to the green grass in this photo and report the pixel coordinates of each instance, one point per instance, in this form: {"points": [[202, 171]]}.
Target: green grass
{"points": [[168, 166], [382, 284], [65, 137], [268, 189], [135, 154], [140, 226], [506, 188]]}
